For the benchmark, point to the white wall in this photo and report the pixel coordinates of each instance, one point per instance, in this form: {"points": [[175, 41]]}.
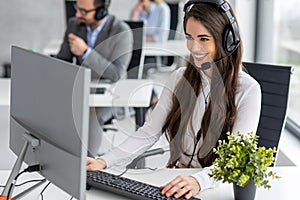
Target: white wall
{"points": [[245, 11], [266, 32], [30, 24], [121, 8]]}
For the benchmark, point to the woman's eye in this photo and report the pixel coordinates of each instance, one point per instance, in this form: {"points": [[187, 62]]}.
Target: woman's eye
{"points": [[204, 39], [188, 37]]}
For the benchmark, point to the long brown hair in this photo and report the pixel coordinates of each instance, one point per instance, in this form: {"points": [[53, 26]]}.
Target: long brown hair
{"points": [[220, 114]]}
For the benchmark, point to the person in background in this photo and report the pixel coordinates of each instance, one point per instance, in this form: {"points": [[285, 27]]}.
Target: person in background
{"points": [[157, 17], [200, 103], [156, 14], [101, 42]]}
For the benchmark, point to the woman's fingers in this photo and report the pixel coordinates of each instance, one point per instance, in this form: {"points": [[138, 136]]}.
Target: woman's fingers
{"points": [[95, 164], [181, 185]]}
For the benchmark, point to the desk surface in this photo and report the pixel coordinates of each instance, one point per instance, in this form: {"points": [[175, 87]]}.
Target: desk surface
{"points": [[168, 48], [284, 188], [124, 93], [127, 92]]}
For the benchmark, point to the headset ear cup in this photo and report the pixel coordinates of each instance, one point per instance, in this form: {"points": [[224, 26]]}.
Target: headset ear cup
{"points": [[228, 40], [97, 14], [101, 13]]}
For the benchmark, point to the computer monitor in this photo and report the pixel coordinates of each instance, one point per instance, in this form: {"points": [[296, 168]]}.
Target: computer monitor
{"points": [[50, 103]]}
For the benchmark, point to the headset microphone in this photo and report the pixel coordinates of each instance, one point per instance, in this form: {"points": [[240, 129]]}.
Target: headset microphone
{"points": [[207, 65]]}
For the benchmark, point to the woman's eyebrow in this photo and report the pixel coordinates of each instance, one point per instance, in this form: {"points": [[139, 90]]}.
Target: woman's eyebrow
{"points": [[204, 35], [201, 35]]}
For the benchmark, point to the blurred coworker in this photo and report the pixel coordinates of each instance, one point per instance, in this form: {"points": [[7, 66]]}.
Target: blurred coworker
{"points": [[103, 43], [157, 18], [156, 14]]}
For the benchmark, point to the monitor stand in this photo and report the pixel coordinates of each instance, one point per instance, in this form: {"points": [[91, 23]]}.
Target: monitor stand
{"points": [[9, 186]]}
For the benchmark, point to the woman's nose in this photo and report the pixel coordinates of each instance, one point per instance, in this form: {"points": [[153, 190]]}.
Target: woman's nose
{"points": [[194, 46]]}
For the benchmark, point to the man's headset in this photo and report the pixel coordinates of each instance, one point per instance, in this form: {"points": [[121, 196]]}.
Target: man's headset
{"points": [[102, 11], [231, 39]]}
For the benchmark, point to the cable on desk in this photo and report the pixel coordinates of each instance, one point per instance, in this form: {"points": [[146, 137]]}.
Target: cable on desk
{"points": [[12, 184], [32, 168], [155, 151], [44, 190], [30, 181], [26, 182], [42, 197]]}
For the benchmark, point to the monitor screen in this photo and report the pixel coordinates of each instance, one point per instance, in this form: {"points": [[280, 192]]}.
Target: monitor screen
{"points": [[50, 101]]}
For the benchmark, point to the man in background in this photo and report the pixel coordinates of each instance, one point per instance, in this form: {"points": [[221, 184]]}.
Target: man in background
{"points": [[99, 41]]}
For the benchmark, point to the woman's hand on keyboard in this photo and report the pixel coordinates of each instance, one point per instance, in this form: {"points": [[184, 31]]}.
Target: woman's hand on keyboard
{"points": [[181, 185], [95, 164]]}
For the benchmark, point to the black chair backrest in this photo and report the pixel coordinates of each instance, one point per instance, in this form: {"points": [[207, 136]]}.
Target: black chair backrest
{"points": [[275, 82], [174, 7], [69, 9], [135, 67]]}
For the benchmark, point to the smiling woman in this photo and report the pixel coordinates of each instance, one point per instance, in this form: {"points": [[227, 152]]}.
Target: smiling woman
{"points": [[198, 106]]}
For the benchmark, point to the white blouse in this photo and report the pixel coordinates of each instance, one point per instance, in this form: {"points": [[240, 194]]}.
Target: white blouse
{"points": [[248, 102]]}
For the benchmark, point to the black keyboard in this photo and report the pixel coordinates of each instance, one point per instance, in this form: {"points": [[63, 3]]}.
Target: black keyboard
{"points": [[126, 187]]}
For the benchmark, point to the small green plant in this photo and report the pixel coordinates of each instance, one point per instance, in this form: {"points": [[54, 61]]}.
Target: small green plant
{"points": [[240, 160]]}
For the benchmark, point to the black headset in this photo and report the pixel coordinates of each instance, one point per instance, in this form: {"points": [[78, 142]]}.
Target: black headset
{"points": [[231, 39], [102, 11]]}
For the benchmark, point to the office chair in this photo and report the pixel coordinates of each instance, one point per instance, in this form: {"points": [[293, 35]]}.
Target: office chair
{"points": [[7, 69], [275, 83], [169, 62], [135, 67], [70, 10], [174, 8], [135, 71]]}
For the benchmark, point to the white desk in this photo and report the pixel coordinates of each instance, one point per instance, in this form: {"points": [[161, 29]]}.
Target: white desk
{"points": [[175, 48], [285, 188], [127, 92], [168, 48], [124, 93]]}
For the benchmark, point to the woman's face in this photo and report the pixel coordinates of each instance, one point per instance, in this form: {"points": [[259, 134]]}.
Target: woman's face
{"points": [[200, 42]]}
